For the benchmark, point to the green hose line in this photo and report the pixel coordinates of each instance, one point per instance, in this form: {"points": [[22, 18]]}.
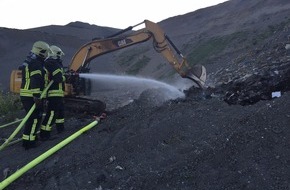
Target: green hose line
{"points": [[25, 118], [14, 141], [18, 128], [17, 121], [45, 155], [8, 124]]}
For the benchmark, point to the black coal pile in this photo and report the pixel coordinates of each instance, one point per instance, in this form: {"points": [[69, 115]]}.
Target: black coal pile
{"points": [[196, 142], [259, 85], [253, 76]]}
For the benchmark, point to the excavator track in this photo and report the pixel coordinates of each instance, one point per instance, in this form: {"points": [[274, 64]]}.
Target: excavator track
{"points": [[81, 105]]}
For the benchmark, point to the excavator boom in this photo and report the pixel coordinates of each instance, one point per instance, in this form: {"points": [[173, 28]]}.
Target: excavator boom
{"points": [[161, 43], [96, 48]]}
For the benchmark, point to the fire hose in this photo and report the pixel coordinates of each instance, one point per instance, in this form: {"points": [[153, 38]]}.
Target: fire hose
{"points": [[25, 118], [46, 154]]}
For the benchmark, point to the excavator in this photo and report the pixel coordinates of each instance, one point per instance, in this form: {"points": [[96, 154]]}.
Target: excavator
{"points": [[77, 89]]}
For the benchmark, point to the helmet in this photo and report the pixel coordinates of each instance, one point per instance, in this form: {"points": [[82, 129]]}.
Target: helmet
{"points": [[56, 52], [41, 49]]}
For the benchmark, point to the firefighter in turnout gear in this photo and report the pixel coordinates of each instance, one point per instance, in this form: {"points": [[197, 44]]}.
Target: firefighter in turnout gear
{"points": [[32, 84], [55, 102]]}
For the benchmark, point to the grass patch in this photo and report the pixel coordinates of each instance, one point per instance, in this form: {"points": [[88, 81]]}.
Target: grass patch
{"points": [[9, 104], [203, 50], [128, 57], [138, 66]]}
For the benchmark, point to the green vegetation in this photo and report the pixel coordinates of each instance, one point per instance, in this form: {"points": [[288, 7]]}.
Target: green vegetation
{"points": [[134, 60], [138, 66], [167, 75], [260, 38], [129, 56], [201, 51], [9, 104], [160, 66]]}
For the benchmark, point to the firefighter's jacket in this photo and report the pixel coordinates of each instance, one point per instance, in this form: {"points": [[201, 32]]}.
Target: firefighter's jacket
{"points": [[33, 76], [55, 73]]}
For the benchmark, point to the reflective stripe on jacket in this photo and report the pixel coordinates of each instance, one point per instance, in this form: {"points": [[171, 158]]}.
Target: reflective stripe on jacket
{"points": [[32, 76], [56, 73]]}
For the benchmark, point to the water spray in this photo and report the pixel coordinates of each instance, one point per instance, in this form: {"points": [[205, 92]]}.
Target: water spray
{"points": [[170, 92]]}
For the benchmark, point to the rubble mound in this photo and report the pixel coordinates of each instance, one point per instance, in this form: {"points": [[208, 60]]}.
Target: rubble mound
{"points": [[157, 96]]}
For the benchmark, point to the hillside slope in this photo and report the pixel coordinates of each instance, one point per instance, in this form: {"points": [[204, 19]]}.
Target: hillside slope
{"points": [[213, 37]]}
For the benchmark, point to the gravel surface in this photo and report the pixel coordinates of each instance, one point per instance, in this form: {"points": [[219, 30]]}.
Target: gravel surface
{"points": [[195, 142]]}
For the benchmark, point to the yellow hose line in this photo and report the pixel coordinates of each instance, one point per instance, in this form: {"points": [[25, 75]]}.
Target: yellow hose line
{"points": [[8, 124], [25, 118], [43, 156]]}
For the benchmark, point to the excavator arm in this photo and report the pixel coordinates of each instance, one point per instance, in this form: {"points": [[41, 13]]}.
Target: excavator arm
{"points": [[161, 42]]}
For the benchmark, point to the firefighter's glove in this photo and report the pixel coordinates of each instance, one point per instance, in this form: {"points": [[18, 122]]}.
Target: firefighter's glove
{"points": [[38, 102]]}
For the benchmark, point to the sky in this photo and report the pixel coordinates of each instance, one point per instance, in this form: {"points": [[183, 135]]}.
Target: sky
{"points": [[25, 14]]}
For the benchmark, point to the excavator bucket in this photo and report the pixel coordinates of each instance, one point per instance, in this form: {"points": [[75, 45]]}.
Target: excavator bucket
{"points": [[198, 75]]}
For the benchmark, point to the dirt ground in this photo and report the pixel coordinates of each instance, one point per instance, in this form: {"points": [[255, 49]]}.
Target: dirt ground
{"points": [[192, 143]]}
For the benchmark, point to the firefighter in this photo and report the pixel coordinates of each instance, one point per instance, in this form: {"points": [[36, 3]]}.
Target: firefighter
{"points": [[55, 104], [32, 84]]}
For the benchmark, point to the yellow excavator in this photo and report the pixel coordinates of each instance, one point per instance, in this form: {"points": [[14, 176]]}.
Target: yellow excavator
{"points": [[77, 89]]}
